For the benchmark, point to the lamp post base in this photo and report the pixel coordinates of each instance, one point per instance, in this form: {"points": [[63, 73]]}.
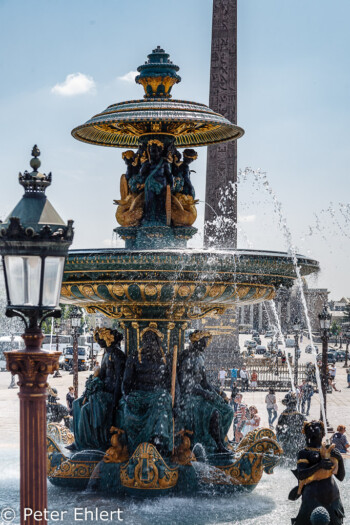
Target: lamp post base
{"points": [[33, 365], [328, 428]]}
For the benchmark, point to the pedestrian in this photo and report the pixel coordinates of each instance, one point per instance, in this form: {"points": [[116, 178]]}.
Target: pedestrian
{"points": [[340, 440], [254, 380], [244, 378], [234, 390], [253, 420], [306, 395], [240, 417], [271, 405], [348, 377], [13, 381], [69, 399], [310, 372], [234, 400], [222, 377], [298, 393], [332, 370], [233, 403], [234, 375]]}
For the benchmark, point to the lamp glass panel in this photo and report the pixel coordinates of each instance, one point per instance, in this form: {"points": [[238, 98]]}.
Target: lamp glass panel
{"points": [[75, 320], [53, 274], [23, 278]]}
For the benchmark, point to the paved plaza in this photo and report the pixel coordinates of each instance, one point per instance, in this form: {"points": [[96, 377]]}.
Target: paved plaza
{"points": [[338, 402], [266, 504]]}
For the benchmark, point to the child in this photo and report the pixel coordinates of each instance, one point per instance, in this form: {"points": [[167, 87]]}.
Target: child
{"points": [[253, 420], [340, 440], [254, 380]]}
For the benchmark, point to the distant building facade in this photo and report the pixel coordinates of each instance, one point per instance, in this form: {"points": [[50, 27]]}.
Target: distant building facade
{"points": [[288, 306]]}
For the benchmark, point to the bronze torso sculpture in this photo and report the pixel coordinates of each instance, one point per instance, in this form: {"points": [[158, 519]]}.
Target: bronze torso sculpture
{"points": [[289, 427], [316, 473], [96, 410], [203, 409], [146, 407]]}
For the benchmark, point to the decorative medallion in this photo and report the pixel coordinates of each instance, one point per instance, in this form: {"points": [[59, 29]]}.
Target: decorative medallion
{"points": [[146, 469]]}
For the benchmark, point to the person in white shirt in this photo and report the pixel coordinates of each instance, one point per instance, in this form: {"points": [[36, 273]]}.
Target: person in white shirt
{"points": [[332, 370], [243, 374], [271, 406], [222, 377]]}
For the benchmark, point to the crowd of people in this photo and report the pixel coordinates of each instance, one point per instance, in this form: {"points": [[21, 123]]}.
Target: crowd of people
{"points": [[246, 418], [242, 375], [250, 381]]}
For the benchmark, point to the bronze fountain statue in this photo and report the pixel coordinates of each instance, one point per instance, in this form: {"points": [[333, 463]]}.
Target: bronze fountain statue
{"points": [[317, 465]]}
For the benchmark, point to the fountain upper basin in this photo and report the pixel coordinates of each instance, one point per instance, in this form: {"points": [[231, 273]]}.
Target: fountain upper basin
{"points": [[190, 277]]}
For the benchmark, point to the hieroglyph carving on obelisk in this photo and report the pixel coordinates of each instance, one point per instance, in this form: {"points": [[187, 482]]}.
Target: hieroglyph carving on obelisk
{"points": [[222, 159]]}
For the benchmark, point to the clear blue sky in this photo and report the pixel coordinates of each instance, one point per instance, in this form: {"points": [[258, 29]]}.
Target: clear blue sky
{"points": [[293, 102]]}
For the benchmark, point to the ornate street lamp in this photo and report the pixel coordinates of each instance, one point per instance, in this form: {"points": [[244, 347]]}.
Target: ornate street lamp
{"points": [[75, 317], [296, 329], [34, 242], [347, 341], [92, 360], [57, 332], [325, 325]]}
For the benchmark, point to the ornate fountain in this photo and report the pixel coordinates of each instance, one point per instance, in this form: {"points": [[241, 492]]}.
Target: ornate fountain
{"points": [[156, 287]]}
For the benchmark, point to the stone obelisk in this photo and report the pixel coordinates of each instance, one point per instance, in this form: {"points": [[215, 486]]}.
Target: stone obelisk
{"points": [[222, 159], [222, 175]]}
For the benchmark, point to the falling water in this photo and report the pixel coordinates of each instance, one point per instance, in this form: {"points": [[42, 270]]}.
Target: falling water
{"points": [[261, 177], [280, 334], [201, 455], [210, 206]]}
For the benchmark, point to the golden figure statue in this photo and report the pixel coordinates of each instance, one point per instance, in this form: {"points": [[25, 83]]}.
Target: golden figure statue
{"points": [[130, 206], [183, 209], [183, 454], [117, 453]]}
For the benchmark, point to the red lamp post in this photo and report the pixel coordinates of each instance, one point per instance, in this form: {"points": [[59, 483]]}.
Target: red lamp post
{"points": [[325, 325], [34, 242], [76, 320]]}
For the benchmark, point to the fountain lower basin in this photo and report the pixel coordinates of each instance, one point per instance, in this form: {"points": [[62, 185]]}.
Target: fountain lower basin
{"points": [[164, 291]]}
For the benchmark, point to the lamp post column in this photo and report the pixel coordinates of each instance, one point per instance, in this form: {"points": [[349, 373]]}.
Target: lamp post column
{"points": [[75, 320], [32, 365], [57, 373], [92, 351], [75, 362], [296, 358], [325, 325], [347, 340], [324, 338], [296, 328]]}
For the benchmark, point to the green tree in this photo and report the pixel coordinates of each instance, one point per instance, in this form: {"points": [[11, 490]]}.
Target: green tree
{"points": [[347, 313], [335, 328]]}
